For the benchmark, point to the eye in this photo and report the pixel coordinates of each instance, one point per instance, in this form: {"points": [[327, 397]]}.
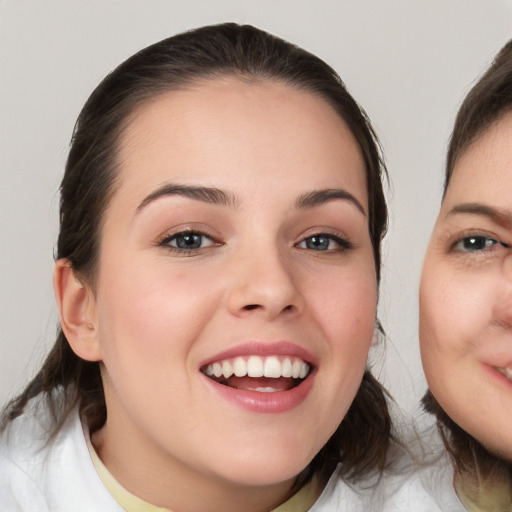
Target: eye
{"points": [[187, 241], [324, 242], [476, 243]]}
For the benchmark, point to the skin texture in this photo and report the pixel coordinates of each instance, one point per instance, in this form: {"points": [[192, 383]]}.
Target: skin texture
{"points": [[156, 314], [466, 293]]}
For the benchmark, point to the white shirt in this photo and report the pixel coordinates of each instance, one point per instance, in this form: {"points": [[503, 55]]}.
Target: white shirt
{"points": [[37, 475]]}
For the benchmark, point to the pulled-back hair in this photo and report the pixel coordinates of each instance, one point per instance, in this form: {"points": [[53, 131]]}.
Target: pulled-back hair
{"points": [[362, 440], [487, 101], [485, 104]]}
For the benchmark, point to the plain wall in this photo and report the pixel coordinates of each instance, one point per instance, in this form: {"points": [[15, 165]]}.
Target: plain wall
{"points": [[409, 63]]}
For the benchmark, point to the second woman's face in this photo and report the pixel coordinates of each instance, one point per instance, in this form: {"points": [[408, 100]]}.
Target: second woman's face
{"points": [[236, 291], [466, 293]]}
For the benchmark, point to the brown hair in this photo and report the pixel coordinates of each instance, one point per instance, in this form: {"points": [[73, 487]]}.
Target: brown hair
{"points": [[362, 440], [485, 104], [487, 101]]}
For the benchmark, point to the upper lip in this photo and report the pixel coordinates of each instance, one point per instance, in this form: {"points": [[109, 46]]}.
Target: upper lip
{"points": [[263, 349], [497, 360]]}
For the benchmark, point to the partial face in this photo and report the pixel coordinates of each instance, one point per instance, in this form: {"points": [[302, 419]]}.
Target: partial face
{"points": [[236, 293], [466, 293]]}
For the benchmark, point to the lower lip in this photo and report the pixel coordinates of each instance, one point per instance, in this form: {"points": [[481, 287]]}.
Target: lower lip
{"points": [[266, 403], [496, 375]]}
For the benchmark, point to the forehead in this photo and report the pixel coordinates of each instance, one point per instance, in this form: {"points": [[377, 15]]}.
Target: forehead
{"points": [[483, 172], [255, 127]]}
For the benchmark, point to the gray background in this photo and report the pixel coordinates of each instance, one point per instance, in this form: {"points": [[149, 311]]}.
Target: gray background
{"points": [[408, 62]]}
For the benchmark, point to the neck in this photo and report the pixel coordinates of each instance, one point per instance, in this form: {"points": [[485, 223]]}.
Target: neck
{"points": [[145, 472]]}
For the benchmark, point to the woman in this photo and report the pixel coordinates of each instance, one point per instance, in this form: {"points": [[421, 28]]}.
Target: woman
{"points": [[466, 296], [217, 272]]}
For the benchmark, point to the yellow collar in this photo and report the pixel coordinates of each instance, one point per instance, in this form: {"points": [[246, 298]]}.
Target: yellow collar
{"points": [[493, 494]]}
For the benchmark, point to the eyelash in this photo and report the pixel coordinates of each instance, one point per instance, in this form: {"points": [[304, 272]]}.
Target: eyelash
{"points": [[344, 244]]}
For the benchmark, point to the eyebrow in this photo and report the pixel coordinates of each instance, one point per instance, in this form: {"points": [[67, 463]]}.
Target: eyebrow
{"points": [[497, 215], [215, 195], [319, 197], [210, 195]]}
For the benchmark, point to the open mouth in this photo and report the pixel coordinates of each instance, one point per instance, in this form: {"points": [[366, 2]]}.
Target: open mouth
{"points": [[506, 372], [255, 373]]}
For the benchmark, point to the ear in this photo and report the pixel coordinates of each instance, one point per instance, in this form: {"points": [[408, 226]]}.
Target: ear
{"points": [[77, 310]]}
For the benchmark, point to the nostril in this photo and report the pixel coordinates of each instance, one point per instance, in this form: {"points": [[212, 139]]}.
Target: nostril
{"points": [[250, 307]]}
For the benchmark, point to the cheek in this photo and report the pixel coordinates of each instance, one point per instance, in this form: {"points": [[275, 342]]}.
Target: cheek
{"points": [[348, 311], [454, 308], [456, 328], [153, 316]]}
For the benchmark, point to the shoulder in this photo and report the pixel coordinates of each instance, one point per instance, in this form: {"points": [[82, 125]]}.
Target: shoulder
{"points": [[404, 487], [391, 493], [39, 473], [411, 493], [433, 471], [22, 454]]}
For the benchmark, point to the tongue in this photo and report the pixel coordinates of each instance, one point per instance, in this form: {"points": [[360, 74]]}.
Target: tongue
{"points": [[253, 383]]}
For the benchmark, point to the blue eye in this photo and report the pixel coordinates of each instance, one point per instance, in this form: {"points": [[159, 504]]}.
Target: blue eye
{"points": [[325, 242], [187, 241], [476, 243]]}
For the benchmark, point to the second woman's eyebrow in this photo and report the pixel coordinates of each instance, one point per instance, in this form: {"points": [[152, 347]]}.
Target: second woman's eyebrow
{"points": [[502, 217], [210, 195]]}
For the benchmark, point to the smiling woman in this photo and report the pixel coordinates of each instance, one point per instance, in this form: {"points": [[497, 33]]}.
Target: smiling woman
{"points": [[216, 277], [466, 297]]}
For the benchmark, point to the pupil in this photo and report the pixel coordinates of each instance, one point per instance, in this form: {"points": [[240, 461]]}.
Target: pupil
{"points": [[475, 243], [190, 241], [319, 243]]}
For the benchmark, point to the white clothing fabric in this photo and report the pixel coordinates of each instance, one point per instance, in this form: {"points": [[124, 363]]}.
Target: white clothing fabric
{"points": [[37, 475], [55, 476], [437, 477], [438, 480]]}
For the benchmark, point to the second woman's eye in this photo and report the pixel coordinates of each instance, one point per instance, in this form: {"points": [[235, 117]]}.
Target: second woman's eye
{"points": [[325, 242], [475, 243]]}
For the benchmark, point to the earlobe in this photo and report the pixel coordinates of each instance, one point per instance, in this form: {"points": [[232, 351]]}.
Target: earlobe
{"points": [[76, 305]]}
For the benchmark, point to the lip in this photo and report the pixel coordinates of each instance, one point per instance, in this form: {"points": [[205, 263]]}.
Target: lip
{"points": [[496, 375], [259, 402], [266, 403]]}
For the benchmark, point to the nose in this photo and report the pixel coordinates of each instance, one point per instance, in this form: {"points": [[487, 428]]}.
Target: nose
{"points": [[502, 310], [264, 282]]}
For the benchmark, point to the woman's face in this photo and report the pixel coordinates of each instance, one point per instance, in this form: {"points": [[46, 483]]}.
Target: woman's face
{"points": [[237, 241], [466, 293]]}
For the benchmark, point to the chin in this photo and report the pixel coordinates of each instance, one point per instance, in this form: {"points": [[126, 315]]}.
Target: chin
{"points": [[264, 473]]}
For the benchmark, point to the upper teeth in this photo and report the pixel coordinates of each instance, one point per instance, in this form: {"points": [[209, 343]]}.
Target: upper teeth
{"points": [[256, 366], [505, 371]]}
